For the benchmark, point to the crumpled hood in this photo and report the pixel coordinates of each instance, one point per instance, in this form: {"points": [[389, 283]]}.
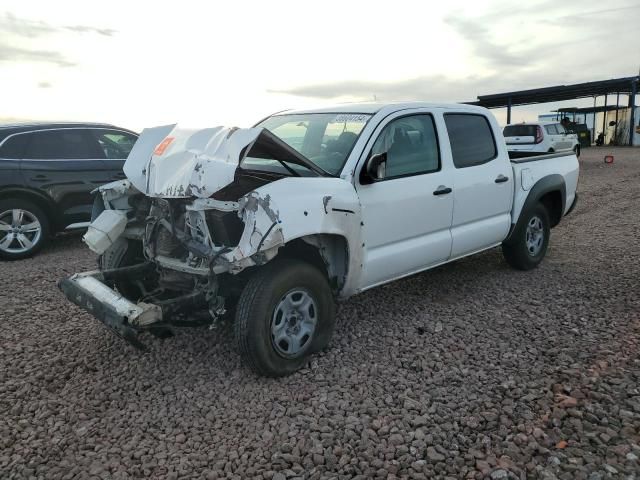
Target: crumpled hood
{"points": [[168, 161]]}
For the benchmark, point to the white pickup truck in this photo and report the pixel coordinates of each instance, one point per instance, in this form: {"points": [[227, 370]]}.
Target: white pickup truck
{"points": [[280, 220]]}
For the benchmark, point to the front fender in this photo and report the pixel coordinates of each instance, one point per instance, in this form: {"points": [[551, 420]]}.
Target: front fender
{"points": [[292, 208]]}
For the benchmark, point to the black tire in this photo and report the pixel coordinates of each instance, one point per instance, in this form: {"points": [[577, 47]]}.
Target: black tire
{"points": [[520, 254], [123, 253], [31, 211], [256, 310], [576, 150]]}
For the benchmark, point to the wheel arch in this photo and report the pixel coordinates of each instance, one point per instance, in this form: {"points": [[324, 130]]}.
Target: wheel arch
{"points": [[551, 191], [40, 199], [327, 252]]}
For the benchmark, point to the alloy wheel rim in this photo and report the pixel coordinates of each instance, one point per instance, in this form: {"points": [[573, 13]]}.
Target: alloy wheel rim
{"points": [[20, 231], [293, 323], [534, 236]]}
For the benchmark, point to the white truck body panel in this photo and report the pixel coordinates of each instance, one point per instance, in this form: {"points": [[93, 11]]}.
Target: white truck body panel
{"points": [[171, 162], [390, 228]]}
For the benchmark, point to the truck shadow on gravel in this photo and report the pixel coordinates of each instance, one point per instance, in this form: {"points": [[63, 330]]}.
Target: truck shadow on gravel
{"points": [[361, 320]]}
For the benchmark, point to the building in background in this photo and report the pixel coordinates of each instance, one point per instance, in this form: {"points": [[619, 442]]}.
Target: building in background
{"points": [[614, 134]]}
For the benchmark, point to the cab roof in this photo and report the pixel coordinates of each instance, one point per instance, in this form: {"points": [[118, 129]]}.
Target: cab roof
{"points": [[375, 107]]}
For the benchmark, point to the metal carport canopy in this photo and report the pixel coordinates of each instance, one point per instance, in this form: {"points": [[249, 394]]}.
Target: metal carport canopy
{"points": [[626, 85]]}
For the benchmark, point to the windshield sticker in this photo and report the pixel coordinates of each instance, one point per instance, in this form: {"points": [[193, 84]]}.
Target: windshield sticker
{"points": [[350, 117]]}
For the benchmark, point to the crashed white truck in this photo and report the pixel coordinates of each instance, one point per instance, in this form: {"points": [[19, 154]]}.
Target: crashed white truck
{"points": [[279, 221]]}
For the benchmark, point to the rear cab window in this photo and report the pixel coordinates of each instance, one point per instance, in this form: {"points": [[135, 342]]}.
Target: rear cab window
{"points": [[471, 139]]}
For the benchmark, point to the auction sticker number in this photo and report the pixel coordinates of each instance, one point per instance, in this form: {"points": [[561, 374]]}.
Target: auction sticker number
{"points": [[162, 146]]}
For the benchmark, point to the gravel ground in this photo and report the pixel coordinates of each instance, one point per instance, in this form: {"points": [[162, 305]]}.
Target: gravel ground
{"points": [[472, 370]]}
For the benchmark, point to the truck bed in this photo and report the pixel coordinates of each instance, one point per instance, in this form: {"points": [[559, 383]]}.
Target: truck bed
{"points": [[525, 156], [528, 169]]}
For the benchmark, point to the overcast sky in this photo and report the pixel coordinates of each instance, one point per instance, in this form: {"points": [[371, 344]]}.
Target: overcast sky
{"points": [[199, 63]]}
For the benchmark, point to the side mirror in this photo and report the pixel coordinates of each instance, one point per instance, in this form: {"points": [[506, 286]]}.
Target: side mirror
{"points": [[375, 168]]}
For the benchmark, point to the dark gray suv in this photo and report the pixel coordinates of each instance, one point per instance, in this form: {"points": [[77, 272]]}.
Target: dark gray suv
{"points": [[47, 173]]}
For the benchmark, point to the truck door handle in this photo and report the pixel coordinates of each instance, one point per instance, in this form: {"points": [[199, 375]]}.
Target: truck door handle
{"points": [[40, 177], [442, 190], [501, 179]]}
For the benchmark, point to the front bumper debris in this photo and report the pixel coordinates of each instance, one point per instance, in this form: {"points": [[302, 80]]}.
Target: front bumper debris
{"points": [[121, 316]]}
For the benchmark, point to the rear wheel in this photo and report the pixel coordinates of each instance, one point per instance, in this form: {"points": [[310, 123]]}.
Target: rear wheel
{"points": [[24, 229], [527, 245], [576, 150], [285, 313]]}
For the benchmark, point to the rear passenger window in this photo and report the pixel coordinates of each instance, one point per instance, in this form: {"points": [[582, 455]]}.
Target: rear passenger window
{"points": [[551, 129], [13, 147], [560, 129], [62, 144], [411, 146], [471, 139]]}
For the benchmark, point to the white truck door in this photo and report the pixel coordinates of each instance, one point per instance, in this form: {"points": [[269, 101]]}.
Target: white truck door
{"points": [[483, 183], [407, 213]]}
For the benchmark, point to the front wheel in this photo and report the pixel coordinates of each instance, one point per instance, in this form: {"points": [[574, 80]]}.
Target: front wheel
{"points": [[126, 253], [576, 150], [528, 243], [24, 229], [286, 312]]}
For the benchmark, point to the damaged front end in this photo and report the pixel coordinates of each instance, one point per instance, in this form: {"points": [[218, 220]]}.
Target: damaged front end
{"points": [[174, 237]]}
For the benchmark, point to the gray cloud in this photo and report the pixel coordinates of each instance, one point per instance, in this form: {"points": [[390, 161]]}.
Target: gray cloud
{"points": [[107, 32], [10, 53], [582, 51], [423, 88], [478, 35], [618, 15], [32, 29], [12, 28]]}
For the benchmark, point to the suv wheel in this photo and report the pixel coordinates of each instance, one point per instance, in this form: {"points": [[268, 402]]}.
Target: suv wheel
{"points": [[527, 245], [24, 229], [286, 312]]}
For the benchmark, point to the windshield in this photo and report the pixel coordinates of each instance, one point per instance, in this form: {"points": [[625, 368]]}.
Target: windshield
{"points": [[326, 139]]}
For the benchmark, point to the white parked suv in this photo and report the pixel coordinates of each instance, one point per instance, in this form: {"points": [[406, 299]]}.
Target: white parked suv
{"points": [[540, 137]]}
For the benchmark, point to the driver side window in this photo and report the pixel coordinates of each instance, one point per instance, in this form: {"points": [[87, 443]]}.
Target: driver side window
{"points": [[411, 145]]}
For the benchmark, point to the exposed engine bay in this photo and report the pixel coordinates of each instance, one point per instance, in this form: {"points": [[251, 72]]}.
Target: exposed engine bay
{"points": [[177, 235]]}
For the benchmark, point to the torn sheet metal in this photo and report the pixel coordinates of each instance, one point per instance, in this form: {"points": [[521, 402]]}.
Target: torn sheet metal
{"points": [[271, 220], [171, 162], [262, 234]]}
